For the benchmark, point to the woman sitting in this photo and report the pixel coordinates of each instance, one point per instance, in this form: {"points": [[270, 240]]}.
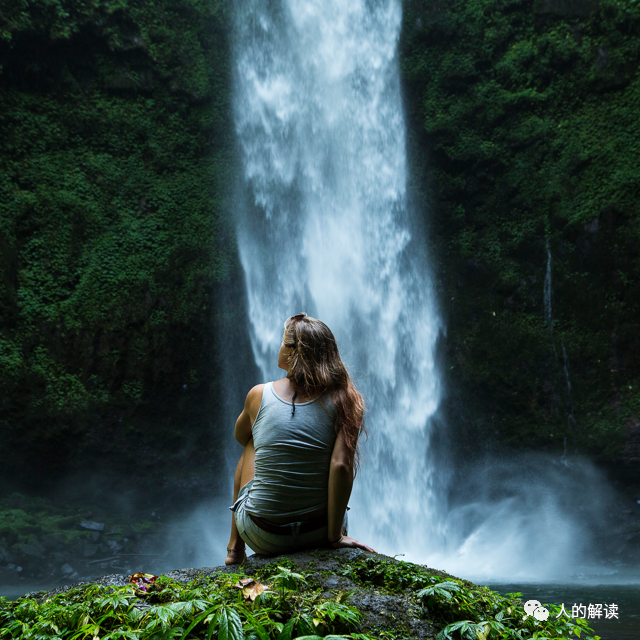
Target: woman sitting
{"points": [[300, 436]]}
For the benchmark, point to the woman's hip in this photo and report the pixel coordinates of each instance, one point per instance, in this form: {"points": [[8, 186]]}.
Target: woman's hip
{"points": [[290, 537]]}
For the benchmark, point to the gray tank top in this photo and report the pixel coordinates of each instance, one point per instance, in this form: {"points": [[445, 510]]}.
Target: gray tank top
{"points": [[293, 454]]}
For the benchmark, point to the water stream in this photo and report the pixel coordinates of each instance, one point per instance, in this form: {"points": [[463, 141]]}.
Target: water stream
{"points": [[548, 312]]}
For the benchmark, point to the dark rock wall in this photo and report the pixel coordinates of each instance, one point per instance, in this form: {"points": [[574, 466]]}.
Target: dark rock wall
{"points": [[524, 134]]}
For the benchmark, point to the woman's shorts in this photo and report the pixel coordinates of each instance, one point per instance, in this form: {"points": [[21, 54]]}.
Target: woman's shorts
{"points": [[267, 543]]}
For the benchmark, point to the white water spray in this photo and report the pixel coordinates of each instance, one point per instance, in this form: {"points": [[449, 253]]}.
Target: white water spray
{"points": [[326, 230]]}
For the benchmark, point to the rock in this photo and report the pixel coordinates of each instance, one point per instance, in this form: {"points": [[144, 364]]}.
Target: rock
{"points": [[95, 536], [36, 550], [66, 568], [53, 542], [114, 546], [324, 569], [90, 550], [92, 526]]}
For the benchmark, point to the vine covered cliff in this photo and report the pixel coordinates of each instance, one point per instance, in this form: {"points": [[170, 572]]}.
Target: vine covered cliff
{"points": [[526, 152], [115, 153]]}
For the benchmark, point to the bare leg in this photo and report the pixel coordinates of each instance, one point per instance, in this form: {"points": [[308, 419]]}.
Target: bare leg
{"points": [[245, 471]]}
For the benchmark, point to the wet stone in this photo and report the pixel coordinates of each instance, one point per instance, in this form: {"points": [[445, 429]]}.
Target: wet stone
{"points": [[36, 550], [92, 526]]}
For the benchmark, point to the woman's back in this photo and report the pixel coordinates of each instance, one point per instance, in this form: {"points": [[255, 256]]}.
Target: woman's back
{"points": [[292, 456]]}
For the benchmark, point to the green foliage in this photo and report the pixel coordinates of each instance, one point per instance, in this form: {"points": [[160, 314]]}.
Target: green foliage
{"points": [[386, 573], [528, 109], [115, 155], [214, 607], [287, 580], [204, 608]]}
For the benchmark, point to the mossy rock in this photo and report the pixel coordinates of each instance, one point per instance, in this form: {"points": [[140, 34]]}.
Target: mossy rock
{"points": [[346, 593]]}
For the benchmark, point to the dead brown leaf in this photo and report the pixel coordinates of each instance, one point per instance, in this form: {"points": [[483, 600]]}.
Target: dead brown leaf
{"points": [[251, 589]]}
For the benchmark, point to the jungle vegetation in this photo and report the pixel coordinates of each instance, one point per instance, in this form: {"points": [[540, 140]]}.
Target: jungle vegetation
{"points": [[115, 149], [527, 157]]}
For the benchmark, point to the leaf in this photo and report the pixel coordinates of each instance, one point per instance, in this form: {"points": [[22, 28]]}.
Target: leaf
{"points": [[305, 624], [256, 626], [202, 617], [445, 634], [251, 588], [482, 631], [230, 625], [287, 630], [444, 589], [343, 596], [213, 623]]}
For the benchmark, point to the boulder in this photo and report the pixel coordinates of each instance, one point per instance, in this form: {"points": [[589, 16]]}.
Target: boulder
{"points": [[324, 569]]}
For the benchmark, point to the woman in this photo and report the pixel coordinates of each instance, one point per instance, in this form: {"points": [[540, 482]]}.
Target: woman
{"points": [[300, 436]]}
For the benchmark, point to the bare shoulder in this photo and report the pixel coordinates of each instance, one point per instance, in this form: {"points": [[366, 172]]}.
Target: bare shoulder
{"points": [[254, 397], [256, 392]]}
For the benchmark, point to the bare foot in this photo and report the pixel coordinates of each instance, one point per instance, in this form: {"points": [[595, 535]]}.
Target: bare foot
{"points": [[235, 556]]}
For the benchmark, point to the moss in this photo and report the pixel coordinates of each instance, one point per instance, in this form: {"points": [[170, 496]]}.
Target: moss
{"points": [[36, 520], [523, 117]]}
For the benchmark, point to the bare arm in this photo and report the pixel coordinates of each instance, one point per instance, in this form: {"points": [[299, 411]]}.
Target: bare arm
{"points": [[340, 484], [248, 416]]}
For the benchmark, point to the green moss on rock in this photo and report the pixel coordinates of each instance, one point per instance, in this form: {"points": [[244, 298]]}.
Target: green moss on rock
{"points": [[326, 594]]}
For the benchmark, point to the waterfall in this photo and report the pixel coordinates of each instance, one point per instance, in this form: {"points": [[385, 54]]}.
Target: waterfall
{"points": [[548, 313], [323, 226]]}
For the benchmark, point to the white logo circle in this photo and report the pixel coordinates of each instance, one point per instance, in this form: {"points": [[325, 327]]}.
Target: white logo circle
{"points": [[535, 609]]}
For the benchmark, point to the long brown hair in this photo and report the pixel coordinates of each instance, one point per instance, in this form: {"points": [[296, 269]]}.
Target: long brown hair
{"points": [[316, 369]]}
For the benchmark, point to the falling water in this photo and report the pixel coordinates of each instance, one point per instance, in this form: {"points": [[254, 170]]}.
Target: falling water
{"points": [[565, 368], [325, 228], [548, 314]]}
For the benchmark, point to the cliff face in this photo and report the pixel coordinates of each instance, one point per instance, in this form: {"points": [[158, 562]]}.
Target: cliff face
{"points": [[526, 150], [115, 153]]}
